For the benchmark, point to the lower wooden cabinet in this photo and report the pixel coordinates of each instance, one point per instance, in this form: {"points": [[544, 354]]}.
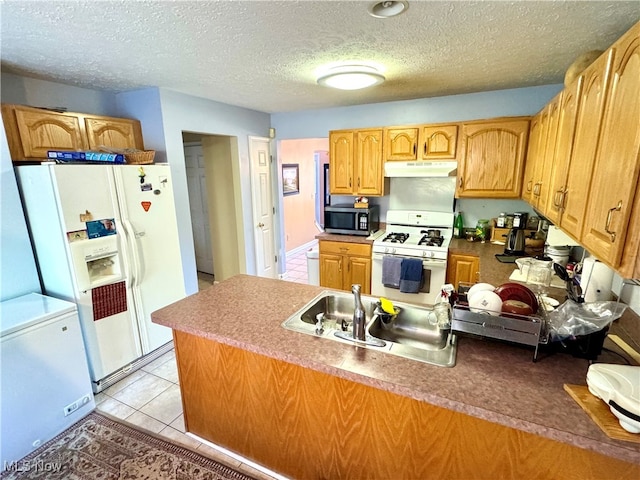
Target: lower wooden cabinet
{"points": [[462, 268], [342, 264]]}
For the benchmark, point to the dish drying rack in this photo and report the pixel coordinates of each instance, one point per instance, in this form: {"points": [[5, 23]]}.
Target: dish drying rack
{"points": [[528, 330]]}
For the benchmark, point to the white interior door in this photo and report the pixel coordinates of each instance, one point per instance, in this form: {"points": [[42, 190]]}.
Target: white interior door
{"points": [[198, 203], [263, 208]]}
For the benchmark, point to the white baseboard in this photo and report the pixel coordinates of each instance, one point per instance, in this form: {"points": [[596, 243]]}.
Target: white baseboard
{"points": [[302, 248]]}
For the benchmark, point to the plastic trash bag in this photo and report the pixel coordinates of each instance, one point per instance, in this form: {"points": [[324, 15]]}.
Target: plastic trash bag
{"points": [[573, 319]]}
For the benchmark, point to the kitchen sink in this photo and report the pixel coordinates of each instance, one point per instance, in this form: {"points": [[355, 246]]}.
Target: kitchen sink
{"points": [[411, 334]]}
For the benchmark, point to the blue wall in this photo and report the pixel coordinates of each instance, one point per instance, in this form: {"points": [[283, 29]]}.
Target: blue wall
{"points": [[473, 106]]}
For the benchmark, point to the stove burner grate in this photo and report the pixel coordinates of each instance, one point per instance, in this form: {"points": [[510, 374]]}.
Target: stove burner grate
{"points": [[396, 237], [428, 241]]}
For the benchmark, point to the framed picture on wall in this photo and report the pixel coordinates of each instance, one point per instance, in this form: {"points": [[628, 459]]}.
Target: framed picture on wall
{"points": [[290, 179]]}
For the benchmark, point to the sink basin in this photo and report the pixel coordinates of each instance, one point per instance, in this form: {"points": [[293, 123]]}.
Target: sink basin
{"points": [[410, 335]]}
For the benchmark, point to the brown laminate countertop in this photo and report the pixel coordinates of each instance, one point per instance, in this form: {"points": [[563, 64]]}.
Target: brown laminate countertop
{"points": [[493, 381]]}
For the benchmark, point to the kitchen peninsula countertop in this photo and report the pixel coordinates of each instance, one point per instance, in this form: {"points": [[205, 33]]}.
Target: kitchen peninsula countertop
{"points": [[493, 381]]}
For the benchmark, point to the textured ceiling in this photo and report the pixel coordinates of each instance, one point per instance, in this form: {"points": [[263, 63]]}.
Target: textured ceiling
{"points": [[263, 55]]}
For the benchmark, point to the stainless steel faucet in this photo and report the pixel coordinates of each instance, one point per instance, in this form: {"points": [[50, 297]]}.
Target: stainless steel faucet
{"points": [[359, 317]]}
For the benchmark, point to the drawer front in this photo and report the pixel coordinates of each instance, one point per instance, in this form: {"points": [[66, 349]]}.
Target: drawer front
{"points": [[345, 248]]}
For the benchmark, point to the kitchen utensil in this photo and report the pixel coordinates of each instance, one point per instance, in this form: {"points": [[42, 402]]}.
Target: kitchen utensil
{"points": [[479, 287], [517, 307], [486, 302], [561, 271], [387, 306], [516, 291]]}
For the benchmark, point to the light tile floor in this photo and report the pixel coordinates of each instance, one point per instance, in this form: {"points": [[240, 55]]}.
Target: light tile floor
{"points": [[297, 268], [150, 398]]}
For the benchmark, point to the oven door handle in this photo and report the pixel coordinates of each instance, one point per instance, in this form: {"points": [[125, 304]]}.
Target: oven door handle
{"points": [[426, 262]]}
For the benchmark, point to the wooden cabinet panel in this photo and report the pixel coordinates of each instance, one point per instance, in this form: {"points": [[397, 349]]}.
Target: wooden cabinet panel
{"points": [[343, 264], [617, 161], [359, 271], [368, 162], [41, 131], [492, 161], [559, 167], [536, 134], [345, 248], [331, 271], [401, 143], [462, 268], [112, 132], [588, 122], [439, 142], [341, 162], [304, 423], [355, 162]]}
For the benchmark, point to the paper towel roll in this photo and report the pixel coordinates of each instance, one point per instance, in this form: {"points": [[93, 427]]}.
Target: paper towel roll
{"points": [[596, 280]]}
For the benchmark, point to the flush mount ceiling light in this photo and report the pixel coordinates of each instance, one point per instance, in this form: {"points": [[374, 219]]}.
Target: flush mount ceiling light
{"points": [[351, 77], [387, 8]]}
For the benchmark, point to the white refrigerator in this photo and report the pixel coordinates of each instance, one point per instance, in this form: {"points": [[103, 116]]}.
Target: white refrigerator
{"points": [[44, 376], [106, 238]]}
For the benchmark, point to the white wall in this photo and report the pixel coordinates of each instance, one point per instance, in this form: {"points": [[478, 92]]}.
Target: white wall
{"points": [[42, 93], [17, 262]]}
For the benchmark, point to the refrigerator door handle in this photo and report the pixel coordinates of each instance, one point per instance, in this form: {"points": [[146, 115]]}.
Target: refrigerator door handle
{"points": [[136, 252], [131, 267]]}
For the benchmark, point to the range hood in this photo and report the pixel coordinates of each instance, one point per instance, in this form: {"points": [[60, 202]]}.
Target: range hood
{"points": [[420, 169]]}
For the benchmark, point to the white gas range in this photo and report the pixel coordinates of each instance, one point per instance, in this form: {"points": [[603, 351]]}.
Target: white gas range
{"points": [[413, 234]]}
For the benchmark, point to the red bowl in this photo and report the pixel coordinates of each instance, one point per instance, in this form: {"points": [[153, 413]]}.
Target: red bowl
{"points": [[517, 307], [515, 291]]}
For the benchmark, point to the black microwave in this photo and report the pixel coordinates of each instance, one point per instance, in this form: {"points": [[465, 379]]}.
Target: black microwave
{"points": [[349, 220]]}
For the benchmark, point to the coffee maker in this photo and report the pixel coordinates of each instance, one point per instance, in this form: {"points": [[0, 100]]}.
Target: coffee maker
{"points": [[515, 239]]}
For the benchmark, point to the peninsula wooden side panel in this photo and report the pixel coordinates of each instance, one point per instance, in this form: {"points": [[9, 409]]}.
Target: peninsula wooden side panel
{"points": [[306, 424]]}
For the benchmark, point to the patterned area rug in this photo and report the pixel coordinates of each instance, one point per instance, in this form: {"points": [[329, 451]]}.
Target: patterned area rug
{"points": [[99, 448]]}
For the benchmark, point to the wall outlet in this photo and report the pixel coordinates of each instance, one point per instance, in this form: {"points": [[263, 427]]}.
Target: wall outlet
{"points": [[72, 407]]}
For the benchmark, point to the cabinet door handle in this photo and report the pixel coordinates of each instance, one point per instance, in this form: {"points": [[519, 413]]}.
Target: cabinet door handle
{"points": [[536, 189], [415, 146], [425, 148], [460, 182], [617, 208], [557, 198], [349, 182], [358, 182], [340, 266], [529, 183]]}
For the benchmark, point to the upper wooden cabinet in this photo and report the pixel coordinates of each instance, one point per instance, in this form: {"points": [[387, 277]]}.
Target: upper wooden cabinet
{"points": [[355, 162], [113, 132], [401, 143], [593, 190], [617, 160], [438, 142], [566, 125], [492, 158], [588, 122], [424, 142], [32, 132]]}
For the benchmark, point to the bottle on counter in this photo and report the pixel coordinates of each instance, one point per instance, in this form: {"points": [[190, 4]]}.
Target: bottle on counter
{"points": [[501, 221], [482, 230], [458, 226]]}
